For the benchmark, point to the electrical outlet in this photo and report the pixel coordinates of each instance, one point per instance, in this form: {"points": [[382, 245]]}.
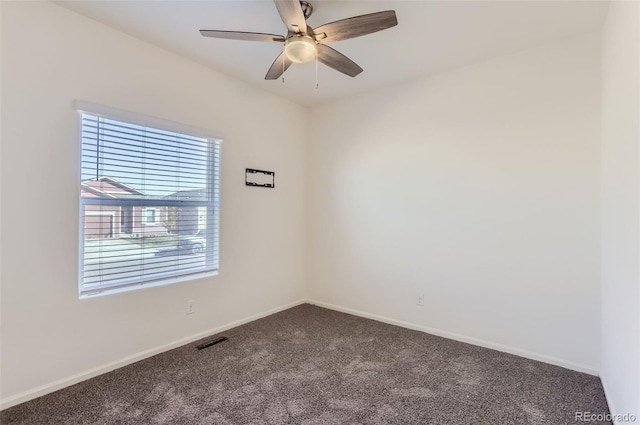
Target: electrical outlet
{"points": [[420, 300], [191, 307]]}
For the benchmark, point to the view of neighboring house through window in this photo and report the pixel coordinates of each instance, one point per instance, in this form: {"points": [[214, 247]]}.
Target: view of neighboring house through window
{"points": [[149, 205]]}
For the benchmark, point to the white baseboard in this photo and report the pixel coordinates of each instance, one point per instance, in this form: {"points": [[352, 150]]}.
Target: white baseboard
{"points": [[605, 387], [83, 376], [617, 417], [71, 380], [470, 340]]}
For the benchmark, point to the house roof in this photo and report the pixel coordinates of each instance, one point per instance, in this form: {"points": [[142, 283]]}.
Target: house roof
{"points": [[102, 185], [110, 187], [189, 194]]}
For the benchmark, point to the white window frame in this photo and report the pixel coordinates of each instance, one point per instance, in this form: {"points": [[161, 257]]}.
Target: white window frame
{"points": [[213, 251], [146, 221]]}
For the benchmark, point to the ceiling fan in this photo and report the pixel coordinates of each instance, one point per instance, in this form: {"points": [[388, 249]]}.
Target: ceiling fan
{"points": [[304, 44]]}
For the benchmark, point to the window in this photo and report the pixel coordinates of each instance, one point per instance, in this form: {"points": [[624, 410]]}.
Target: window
{"points": [[149, 203], [150, 216]]}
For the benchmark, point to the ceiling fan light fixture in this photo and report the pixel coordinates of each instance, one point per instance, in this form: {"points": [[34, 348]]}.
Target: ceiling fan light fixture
{"points": [[300, 49]]}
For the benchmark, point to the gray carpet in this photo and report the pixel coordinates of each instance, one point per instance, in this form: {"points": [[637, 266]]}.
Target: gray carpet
{"points": [[309, 365]]}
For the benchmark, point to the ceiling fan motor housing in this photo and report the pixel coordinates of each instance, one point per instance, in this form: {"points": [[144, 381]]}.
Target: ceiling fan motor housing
{"points": [[307, 9]]}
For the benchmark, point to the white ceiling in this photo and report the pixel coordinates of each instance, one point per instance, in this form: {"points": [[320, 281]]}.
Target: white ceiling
{"points": [[431, 36]]}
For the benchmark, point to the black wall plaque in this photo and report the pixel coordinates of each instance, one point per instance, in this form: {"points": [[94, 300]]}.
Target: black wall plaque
{"points": [[260, 178]]}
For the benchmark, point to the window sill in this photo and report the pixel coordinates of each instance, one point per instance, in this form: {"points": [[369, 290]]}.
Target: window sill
{"points": [[152, 284]]}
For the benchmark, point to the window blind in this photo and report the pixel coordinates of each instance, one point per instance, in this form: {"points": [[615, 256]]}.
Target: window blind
{"points": [[149, 201]]}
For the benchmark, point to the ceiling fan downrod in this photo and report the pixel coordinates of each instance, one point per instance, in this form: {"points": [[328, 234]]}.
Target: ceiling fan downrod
{"points": [[307, 9]]}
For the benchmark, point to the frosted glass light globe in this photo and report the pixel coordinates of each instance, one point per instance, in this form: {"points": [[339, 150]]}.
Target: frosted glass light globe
{"points": [[300, 49]]}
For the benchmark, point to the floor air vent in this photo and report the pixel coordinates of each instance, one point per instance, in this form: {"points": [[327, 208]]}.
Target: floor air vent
{"points": [[212, 342]]}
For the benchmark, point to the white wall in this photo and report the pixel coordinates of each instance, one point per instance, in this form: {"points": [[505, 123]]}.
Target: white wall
{"points": [[477, 187], [621, 208], [51, 56]]}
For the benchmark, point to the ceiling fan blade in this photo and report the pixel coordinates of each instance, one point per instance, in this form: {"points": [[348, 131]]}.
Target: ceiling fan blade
{"points": [[277, 69], [240, 35], [336, 60], [355, 26], [291, 13]]}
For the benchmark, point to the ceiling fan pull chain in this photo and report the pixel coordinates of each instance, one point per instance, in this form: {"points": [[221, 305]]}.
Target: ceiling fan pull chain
{"points": [[316, 69], [284, 57]]}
